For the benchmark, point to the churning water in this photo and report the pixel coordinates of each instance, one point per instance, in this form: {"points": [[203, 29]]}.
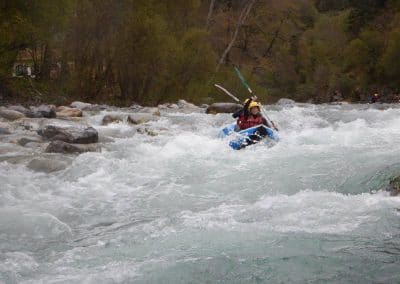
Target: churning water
{"points": [[182, 207]]}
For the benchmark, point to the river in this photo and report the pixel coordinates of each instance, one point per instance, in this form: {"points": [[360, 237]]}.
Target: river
{"points": [[182, 207]]}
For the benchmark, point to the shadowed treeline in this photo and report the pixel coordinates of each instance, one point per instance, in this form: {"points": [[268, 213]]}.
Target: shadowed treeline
{"points": [[150, 52]]}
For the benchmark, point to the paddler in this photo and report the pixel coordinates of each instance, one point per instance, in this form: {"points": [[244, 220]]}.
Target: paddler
{"points": [[250, 115]]}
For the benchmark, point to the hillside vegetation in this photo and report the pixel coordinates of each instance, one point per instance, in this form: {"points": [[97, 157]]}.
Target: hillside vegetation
{"points": [[150, 52]]}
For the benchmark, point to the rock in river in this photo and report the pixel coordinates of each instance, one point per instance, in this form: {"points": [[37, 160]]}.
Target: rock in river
{"points": [[47, 165], [223, 108], [69, 135], [10, 114], [63, 111], [67, 148], [394, 186]]}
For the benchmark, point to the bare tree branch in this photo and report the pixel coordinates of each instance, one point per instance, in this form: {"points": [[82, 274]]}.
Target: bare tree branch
{"points": [[210, 12], [243, 15]]}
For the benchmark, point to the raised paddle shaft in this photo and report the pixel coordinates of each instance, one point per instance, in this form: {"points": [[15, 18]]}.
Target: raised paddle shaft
{"points": [[227, 92], [246, 85]]}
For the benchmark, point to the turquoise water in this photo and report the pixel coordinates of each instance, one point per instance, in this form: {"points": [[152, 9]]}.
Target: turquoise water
{"points": [[182, 207]]}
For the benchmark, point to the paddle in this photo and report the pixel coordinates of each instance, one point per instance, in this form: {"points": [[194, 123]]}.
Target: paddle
{"points": [[246, 85], [228, 93]]}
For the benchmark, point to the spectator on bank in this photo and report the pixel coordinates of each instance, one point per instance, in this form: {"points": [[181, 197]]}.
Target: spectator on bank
{"points": [[375, 98]]}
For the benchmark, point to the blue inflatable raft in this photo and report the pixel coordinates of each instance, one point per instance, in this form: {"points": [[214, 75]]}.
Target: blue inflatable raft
{"points": [[248, 136]]}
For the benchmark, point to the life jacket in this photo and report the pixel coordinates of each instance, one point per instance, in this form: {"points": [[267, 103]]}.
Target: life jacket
{"points": [[250, 121]]}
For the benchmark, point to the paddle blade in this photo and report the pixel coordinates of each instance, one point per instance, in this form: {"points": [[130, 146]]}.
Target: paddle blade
{"points": [[244, 82]]}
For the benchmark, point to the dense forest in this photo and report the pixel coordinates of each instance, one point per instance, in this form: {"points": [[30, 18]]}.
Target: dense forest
{"points": [[150, 52]]}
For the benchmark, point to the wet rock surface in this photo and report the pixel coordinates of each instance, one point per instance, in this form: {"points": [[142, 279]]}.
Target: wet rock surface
{"points": [[64, 111], [223, 108], [110, 118], [10, 114], [48, 165], [394, 186], [46, 111], [69, 135], [139, 118], [68, 148]]}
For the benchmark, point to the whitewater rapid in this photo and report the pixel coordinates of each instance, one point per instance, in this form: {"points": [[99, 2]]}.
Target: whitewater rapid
{"points": [[182, 207]]}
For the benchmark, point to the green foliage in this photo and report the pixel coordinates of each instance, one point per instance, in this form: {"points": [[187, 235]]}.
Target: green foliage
{"points": [[150, 51], [321, 54], [141, 53], [331, 5], [390, 58], [362, 12]]}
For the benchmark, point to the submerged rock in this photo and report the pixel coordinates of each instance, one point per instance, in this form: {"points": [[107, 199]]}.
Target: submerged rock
{"points": [[47, 165], [394, 186], [47, 111], [223, 108], [139, 118], [111, 118], [10, 114], [69, 135], [67, 148]]}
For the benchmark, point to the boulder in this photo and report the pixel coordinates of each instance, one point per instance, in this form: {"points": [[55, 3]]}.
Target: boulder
{"points": [[223, 108], [139, 118], [47, 111], [286, 102], [185, 104], [111, 118], [67, 148], [63, 111], [81, 105], [46, 165], [10, 114], [69, 134], [19, 108], [394, 186], [90, 107]]}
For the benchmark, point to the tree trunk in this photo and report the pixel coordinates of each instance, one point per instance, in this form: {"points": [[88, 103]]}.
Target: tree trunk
{"points": [[46, 62]]}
